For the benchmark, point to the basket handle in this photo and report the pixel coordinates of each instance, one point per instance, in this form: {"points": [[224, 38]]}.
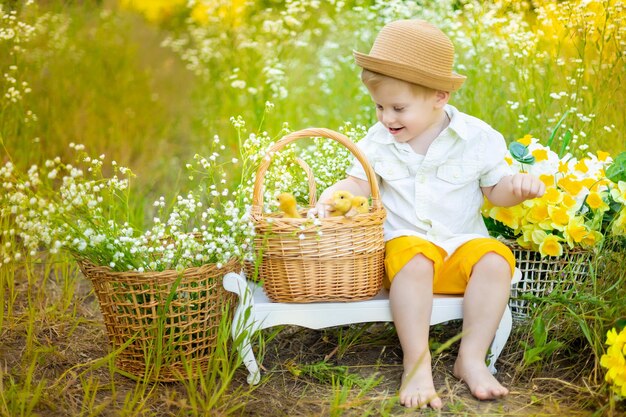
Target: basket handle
{"points": [[257, 194]]}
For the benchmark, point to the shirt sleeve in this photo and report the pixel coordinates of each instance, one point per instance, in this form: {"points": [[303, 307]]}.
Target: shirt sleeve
{"points": [[495, 166], [368, 147]]}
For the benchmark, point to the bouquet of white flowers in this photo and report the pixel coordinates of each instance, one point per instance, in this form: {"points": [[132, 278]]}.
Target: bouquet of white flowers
{"points": [[74, 207], [159, 287]]}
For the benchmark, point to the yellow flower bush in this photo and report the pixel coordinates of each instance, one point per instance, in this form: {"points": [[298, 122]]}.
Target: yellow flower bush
{"points": [[580, 206], [614, 360], [154, 11], [202, 12]]}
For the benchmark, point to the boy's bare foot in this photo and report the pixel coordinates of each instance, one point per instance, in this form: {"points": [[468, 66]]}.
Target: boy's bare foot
{"points": [[481, 383], [417, 388]]}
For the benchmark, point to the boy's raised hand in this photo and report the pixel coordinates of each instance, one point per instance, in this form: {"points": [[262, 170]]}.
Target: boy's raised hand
{"points": [[513, 189], [527, 186]]}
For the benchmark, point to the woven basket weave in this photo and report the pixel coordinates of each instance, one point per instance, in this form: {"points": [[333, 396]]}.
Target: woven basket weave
{"points": [[544, 276], [168, 319], [339, 259]]}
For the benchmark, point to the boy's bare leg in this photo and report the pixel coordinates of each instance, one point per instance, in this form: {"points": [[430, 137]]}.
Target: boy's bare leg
{"points": [[484, 302], [411, 299]]}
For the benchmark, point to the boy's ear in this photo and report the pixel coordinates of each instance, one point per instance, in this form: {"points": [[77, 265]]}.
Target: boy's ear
{"points": [[441, 98]]}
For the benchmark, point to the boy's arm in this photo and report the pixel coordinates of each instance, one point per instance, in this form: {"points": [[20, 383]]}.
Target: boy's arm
{"points": [[354, 185], [513, 189]]}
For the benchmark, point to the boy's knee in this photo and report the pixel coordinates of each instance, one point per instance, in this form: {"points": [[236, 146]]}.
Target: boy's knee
{"points": [[494, 263], [421, 266]]}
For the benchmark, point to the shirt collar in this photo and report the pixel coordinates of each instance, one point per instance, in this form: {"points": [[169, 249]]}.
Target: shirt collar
{"points": [[457, 124]]}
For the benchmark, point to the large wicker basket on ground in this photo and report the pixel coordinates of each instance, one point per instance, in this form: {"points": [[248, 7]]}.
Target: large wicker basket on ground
{"points": [[304, 260], [544, 276], [165, 323]]}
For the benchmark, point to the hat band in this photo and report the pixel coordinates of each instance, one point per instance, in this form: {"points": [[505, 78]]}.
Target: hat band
{"points": [[404, 72]]}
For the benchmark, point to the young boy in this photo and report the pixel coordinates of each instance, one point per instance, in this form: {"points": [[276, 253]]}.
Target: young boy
{"points": [[434, 164]]}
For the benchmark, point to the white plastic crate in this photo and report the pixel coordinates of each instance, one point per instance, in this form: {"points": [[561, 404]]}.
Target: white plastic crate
{"points": [[544, 276]]}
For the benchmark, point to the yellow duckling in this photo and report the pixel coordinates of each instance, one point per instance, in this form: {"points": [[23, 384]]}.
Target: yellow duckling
{"points": [[287, 204], [360, 205], [340, 203]]}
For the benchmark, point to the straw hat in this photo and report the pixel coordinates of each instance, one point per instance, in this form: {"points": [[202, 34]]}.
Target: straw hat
{"points": [[413, 51]]}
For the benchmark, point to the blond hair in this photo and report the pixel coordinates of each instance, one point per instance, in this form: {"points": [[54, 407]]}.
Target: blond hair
{"points": [[373, 79]]}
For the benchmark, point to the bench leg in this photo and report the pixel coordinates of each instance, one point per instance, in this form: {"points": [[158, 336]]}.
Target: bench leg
{"points": [[241, 334], [244, 324], [500, 339]]}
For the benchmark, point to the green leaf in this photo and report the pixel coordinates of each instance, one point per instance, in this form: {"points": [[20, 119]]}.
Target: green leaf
{"points": [[520, 153], [566, 140], [518, 150], [533, 355], [539, 332], [553, 134], [617, 170]]}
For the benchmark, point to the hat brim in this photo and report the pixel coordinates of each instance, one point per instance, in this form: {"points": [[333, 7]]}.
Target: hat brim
{"points": [[408, 73]]}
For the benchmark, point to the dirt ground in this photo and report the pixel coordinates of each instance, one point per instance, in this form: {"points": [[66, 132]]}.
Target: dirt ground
{"points": [[378, 353], [365, 352]]}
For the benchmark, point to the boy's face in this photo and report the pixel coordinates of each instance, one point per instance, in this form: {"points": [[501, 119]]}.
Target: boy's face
{"points": [[405, 114]]}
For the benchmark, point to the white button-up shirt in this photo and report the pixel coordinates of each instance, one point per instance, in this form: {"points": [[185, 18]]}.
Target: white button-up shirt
{"points": [[436, 196]]}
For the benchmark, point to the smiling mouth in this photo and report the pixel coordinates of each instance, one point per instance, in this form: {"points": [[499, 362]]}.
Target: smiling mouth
{"points": [[394, 130]]}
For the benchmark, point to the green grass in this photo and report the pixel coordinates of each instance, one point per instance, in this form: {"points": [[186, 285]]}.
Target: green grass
{"points": [[99, 76]]}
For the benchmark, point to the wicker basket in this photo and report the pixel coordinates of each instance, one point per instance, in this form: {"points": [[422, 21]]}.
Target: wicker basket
{"points": [[339, 259], [545, 276], [167, 320]]}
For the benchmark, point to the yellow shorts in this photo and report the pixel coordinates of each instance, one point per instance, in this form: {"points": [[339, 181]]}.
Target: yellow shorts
{"points": [[452, 274]]}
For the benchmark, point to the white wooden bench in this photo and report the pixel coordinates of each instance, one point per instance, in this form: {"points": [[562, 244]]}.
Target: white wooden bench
{"points": [[255, 312]]}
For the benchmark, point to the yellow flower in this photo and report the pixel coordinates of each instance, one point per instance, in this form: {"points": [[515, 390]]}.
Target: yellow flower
{"points": [[537, 213], [526, 140], [508, 160], [200, 13], [559, 217], [614, 360], [552, 195], [570, 185], [581, 166], [547, 179], [525, 240], [569, 201], [540, 155], [154, 10], [551, 246], [575, 231], [595, 201], [226, 11], [613, 338], [563, 167], [537, 236], [591, 238], [509, 216], [487, 206], [619, 193], [588, 183], [602, 156]]}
